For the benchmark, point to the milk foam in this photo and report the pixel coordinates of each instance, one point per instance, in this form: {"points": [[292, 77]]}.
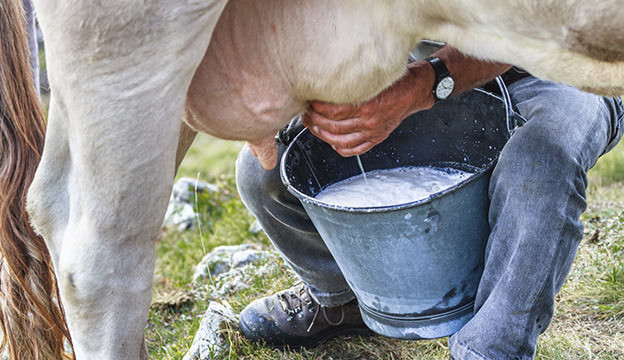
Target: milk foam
{"points": [[391, 186]]}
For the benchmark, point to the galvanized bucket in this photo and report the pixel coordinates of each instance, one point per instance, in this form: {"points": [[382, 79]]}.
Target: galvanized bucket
{"points": [[414, 267]]}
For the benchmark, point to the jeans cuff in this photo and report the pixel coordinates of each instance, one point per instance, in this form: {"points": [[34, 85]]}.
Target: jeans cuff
{"points": [[331, 299], [460, 351]]}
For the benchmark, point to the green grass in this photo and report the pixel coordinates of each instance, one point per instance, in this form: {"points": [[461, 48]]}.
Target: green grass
{"points": [[610, 167], [589, 316], [224, 221], [210, 157]]}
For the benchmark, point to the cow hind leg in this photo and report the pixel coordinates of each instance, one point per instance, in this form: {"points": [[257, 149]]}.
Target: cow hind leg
{"points": [[100, 193]]}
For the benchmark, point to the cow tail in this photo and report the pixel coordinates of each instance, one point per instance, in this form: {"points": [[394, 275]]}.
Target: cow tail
{"points": [[31, 315]]}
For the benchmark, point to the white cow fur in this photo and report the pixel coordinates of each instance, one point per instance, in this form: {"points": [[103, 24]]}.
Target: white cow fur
{"points": [[120, 71]]}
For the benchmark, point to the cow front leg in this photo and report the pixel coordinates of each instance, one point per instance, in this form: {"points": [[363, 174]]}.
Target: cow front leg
{"points": [[119, 74], [98, 199]]}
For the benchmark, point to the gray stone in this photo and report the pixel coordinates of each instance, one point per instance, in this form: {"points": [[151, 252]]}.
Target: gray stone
{"points": [[245, 257], [255, 228], [180, 211], [180, 215], [209, 342], [238, 279], [224, 258], [234, 268], [184, 189]]}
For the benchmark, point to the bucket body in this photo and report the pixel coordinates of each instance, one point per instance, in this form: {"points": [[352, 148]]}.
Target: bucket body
{"points": [[414, 267]]}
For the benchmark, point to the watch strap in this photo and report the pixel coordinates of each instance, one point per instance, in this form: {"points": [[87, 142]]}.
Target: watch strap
{"points": [[441, 71]]}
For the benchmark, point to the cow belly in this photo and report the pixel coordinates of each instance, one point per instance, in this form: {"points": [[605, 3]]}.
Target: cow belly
{"points": [[267, 59], [234, 105]]}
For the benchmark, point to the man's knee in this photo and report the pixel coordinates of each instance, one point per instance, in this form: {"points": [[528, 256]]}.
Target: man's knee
{"points": [[536, 152], [539, 168], [564, 124]]}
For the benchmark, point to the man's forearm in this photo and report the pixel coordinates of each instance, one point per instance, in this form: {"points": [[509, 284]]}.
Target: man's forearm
{"points": [[468, 73]]}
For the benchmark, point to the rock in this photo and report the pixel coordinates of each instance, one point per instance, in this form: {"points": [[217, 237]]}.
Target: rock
{"points": [[184, 189], [233, 269], [209, 342], [180, 215], [180, 211], [255, 228], [238, 279], [245, 257], [224, 258]]}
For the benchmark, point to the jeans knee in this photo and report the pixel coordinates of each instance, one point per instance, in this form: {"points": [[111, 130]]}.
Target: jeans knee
{"points": [[564, 125], [550, 151], [537, 172], [245, 170]]}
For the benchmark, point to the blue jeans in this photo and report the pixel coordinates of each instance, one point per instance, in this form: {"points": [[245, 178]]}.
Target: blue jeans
{"points": [[537, 194]]}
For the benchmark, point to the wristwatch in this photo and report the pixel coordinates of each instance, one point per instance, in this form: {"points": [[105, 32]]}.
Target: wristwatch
{"points": [[444, 83]]}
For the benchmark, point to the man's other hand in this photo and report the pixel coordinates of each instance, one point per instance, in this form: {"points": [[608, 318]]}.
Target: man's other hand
{"points": [[266, 151]]}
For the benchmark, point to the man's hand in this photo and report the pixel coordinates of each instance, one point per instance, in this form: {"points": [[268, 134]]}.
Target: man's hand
{"points": [[355, 129]]}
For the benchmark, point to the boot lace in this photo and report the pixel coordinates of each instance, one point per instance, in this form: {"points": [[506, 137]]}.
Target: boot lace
{"points": [[293, 301]]}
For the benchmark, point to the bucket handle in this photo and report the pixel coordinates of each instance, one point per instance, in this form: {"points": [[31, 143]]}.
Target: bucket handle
{"points": [[513, 119]]}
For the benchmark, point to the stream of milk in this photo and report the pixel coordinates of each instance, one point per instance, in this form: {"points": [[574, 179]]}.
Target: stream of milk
{"points": [[391, 186]]}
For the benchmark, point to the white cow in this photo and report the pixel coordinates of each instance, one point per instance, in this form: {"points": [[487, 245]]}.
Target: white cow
{"points": [[129, 79]]}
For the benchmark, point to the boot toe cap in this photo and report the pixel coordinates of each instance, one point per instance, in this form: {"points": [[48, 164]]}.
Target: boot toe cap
{"points": [[258, 328]]}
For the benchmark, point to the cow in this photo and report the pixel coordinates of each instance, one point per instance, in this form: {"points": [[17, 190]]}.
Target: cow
{"points": [[133, 81]]}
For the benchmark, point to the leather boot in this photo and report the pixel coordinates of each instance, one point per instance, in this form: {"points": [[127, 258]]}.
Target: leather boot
{"points": [[292, 317]]}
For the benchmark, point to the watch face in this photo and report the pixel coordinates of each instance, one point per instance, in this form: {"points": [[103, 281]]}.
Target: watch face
{"points": [[445, 87]]}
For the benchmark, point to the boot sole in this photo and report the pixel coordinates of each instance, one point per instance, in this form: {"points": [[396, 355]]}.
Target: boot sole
{"points": [[313, 341]]}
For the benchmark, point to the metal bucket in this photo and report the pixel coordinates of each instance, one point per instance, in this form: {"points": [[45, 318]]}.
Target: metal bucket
{"points": [[414, 267]]}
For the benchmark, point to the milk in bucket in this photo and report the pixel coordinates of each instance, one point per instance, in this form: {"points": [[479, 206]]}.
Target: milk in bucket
{"points": [[391, 186]]}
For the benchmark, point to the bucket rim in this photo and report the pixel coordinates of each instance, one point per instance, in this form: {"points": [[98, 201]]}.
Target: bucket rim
{"points": [[386, 208]]}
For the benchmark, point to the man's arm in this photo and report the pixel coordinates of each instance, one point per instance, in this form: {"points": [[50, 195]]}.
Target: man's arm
{"points": [[355, 129]]}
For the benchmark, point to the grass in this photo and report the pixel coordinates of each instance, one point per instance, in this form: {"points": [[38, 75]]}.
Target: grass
{"points": [[589, 321], [610, 168], [211, 157], [589, 315]]}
